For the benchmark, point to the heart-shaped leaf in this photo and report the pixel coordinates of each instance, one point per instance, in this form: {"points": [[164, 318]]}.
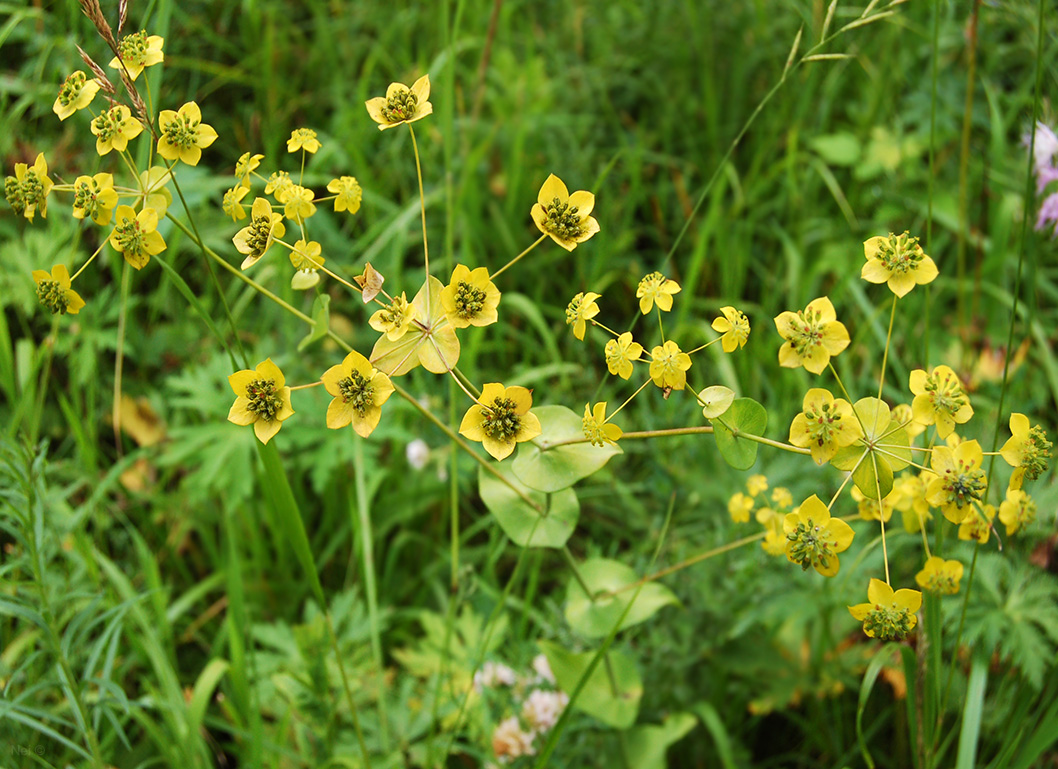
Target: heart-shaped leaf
{"points": [[595, 619], [521, 521], [542, 465], [716, 400], [744, 416], [616, 702]]}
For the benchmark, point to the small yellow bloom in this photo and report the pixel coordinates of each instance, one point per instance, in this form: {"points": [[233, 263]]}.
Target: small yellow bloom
{"points": [[401, 104], [656, 288], [909, 497], [263, 399], [1027, 450], [359, 391], [306, 255], [27, 191], [814, 538], [824, 426], [566, 218], [303, 138], [279, 185], [812, 337], [596, 428], [137, 51], [500, 419], [256, 238], [960, 480], [55, 292], [152, 190], [887, 615], [136, 236], [347, 193], [114, 128], [232, 203], [899, 261], [978, 524], [781, 497], [183, 134], [905, 417], [245, 166], [940, 576], [580, 310], [299, 205], [668, 367], [739, 507], [394, 320], [756, 484], [75, 93], [939, 399], [620, 353], [470, 298], [1017, 511], [94, 197], [734, 326], [870, 510]]}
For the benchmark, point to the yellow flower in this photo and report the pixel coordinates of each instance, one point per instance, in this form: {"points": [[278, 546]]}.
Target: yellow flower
{"points": [[668, 367], [566, 218], [245, 166], [500, 419], [1027, 450], [940, 576], [153, 193], [887, 615], [620, 353], [959, 482], [263, 399], [939, 399], [401, 104], [183, 134], [279, 185], [814, 538], [581, 309], [254, 239], [781, 497], [137, 51], [734, 325], [978, 524], [347, 193], [739, 507], [359, 391], [306, 255], [897, 260], [232, 203], [303, 138], [1017, 511], [905, 417], [27, 191], [94, 197], [54, 291], [396, 319], [136, 236], [824, 426], [114, 129], [596, 429], [655, 287], [299, 205], [812, 336], [470, 298], [75, 93], [909, 497], [756, 484], [870, 510]]}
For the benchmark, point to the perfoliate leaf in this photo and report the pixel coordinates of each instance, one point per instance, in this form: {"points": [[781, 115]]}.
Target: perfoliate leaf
{"points": [[614, 703], [434, 344], [744, 416], [519, 520], [541, 465], [595, 619]]}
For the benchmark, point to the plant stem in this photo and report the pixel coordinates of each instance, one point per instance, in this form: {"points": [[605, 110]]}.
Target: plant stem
{"points": [[422, 203], [691, 561], [514, 261]]}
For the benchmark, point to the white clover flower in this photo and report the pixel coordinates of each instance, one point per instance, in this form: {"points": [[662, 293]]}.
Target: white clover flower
{"points": [[509, 741], [494, 674], [542, 709], [418, 453]]}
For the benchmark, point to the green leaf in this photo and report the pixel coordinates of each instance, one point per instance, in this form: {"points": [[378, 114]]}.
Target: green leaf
{"points": [[519, 520], [433, 344], [716, 400], [744, 416], [838, 149], [321, 319], [594, 619], [874, 477], [615, 705], [541, 465], [647, 744]]}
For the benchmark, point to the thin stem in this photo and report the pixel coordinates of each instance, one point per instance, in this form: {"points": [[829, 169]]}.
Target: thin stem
{"points": [[514, 261], [848, 397], [119, 356], [766, 441], [422, 202], [633, 395], [888, 341], [962, 623], [604, 328], [568, 556], [467, 384], [306, 386], [92, 257], [881, 518], [691, 561]]}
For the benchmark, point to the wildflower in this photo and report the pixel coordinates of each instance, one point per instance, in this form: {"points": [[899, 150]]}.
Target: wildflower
{"points": [[812, 336], [417, 452], [1017, 511], [370, 282], [500, 419], [887, 615], [978, 524], [939, 399], [960, 480], [814, 538], [183, 134], [781, 497], [620, 353], [734, 326], [541, 709], [739, 507], [245, 166], [1044, 150], [153, 193], [27, 191], [114, 128], [303, 138], [899, 261], [298, 204], [136, 236], [306, 255], [55, 292], [395, 319], [470, 298], [668, 367], [263, 399], [871, 509], [493, 674], [656, 288], [279, 185], [756, 484], [401, 104], [909, 497], [1027, 450], [254, 239], [774, 542], [137, 51], [76, 92], [359, 391], [543, 669], [232, 203], [509, 741], [596, 429], [94, 197], [940, 576], [1048, 214], [347, 193], [905, 417], [563, 216], [824, 425], [581, 309]]}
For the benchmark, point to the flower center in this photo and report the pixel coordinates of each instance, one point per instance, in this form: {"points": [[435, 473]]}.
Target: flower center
{"points": [[900, 253], [501, 423], [400, 106], [1036, 452], [264, 401], [15, 194], [593, 431], [131, 237], [280, 183], [85, 197], [667, 359], [303, 135], [810, 544], [358, 391], [945, 392], [109, 124], [807, 332], [739, 325], [53, 296], [133, 48], [942, 582], [888, 622], [824, 424], [470, 300], [563, 220], [71, 89], [182, 132], [964, 484], [260, 231], [397, 313]]}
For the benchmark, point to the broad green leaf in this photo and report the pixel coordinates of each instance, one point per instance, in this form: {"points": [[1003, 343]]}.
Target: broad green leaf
{"points": [[519, 520], [839, 149], [884, 448], [541, 465], [716, 400], [321, 318], [615, 704], [744, 416], [874, 477], [595, 619], [647, 744], [436, 346]]}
